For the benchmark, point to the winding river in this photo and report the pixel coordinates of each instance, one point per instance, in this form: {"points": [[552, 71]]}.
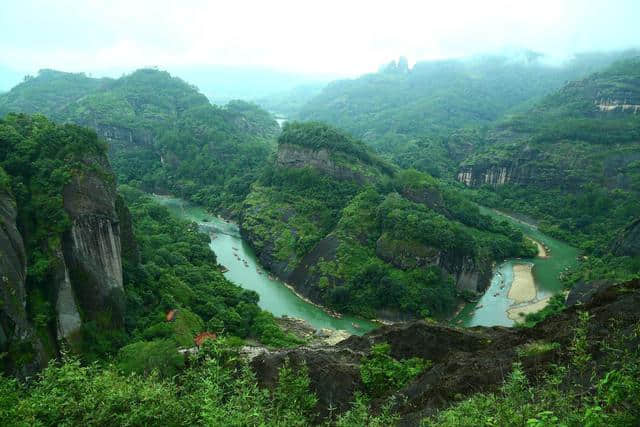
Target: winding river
{"points": [[245, 271], [276, 297], [493, 307]]}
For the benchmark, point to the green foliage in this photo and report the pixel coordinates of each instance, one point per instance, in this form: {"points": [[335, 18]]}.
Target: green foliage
{"points": [[582, 392], [537, 348], [381, 373], [430, 117], [38, 159], [145, 357], [178, 270], [373, 244], [556, 305], [361, 415], [164, 135], [318, 136], [215, 391]]}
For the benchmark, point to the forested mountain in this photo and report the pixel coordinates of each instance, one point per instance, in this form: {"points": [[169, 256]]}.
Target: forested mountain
{"points": [[83, 273], [424, 117], [350, 231], [138, 325], [164, 135], [573, 160]]}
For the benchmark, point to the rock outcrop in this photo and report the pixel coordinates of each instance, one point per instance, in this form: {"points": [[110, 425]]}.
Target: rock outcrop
{"points": [[24, 353], [469, 275], [293, 156], [628, 242], [91, 247], [464, 361]]}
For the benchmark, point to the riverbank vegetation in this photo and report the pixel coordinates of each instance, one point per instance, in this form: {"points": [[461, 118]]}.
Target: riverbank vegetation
{"points": [[363, 237], [177, 270]]}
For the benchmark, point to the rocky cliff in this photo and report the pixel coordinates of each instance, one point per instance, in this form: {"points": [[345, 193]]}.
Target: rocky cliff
{"points": [[628, 242], [60, 242], [464, 361], [293, 156], [470, 276], [24, 352], [92, 248]]}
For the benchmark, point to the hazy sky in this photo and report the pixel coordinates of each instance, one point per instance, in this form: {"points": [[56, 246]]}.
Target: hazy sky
{"points": [[327, 36]]}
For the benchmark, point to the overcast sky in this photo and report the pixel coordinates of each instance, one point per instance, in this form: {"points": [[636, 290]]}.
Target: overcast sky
{"points": [[325, 36]]}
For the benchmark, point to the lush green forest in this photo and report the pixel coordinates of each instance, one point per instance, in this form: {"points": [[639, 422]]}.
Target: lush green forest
{"points": [[427, 117], [371, 244], [164, 136], [168, 264], [573, 162], [372, 224]]}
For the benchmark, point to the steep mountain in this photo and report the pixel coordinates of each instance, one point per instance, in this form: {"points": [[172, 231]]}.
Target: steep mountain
{"points": [[163, 134], [418, 116], [83, 273], [349, 231], [572, 160], [60, 242]]}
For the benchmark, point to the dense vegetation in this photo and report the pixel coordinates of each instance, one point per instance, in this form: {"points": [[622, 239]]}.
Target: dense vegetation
{"points": [[594, 383], [426, 117], [167, 262], [37, 160], [581, 392], [164, 135], [178, 271], [574, 161], [370, 244]]}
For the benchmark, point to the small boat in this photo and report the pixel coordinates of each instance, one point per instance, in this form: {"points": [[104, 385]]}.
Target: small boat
{"points": [[234, 248], [355, 325], [479, 306], [496, 294]]}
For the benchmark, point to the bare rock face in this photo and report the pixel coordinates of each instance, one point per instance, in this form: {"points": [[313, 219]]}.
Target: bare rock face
{"points": [[464, 361], [469, 275], [92, 249], [69, 321], [290, 156], [17, 335]]}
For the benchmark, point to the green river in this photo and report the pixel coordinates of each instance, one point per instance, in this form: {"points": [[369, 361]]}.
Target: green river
{"points": [[492, 307], [245, 271]]}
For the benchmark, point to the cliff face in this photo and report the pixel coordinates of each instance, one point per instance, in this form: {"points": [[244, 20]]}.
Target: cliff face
{"points": [[628, 243], [464, 361], [17, 335], [469, 275], [293, 156], [92, 249]]}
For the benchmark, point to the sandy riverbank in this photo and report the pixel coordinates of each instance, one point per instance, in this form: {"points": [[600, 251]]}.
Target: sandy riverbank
{"points": [[523, 287], [518, 314], [542, 252]]}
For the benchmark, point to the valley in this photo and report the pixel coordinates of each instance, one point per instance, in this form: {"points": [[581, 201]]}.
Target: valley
{"points": [[455, 242], [245, 270], [497, 306]]}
